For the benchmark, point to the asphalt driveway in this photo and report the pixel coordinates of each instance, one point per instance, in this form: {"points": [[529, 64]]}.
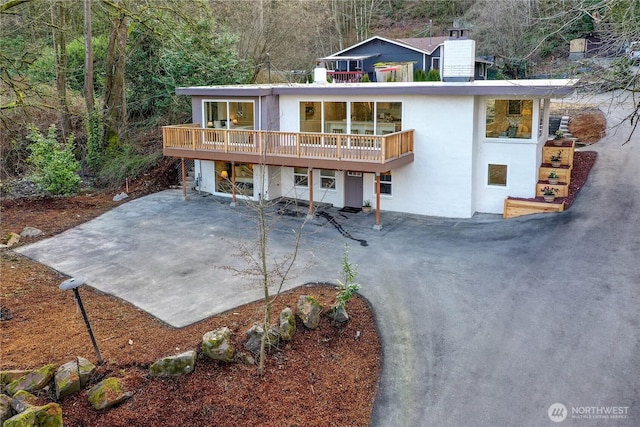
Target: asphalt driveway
{"points": [[484, 322]]}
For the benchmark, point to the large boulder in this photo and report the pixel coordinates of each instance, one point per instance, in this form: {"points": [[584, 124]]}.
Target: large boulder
{"points": [[34, 380], [6, 410], [254, 337], [49, 415], [308, 311], [107, 393], [287, 324], [217, 345], [174, 366]]}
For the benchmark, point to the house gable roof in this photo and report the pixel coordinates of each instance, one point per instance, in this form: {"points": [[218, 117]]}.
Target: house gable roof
{"points": [[421, 45]]}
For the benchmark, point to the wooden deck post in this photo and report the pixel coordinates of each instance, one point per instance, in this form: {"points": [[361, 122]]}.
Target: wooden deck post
{"points": [[377, 225], [184, 180], [233, 183], [310, 213]]}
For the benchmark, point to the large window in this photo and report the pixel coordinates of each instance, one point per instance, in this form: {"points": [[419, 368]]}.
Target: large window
{"points": [[509, 118], [364, 118], [229, 114], [244, 178], [301, 177]]}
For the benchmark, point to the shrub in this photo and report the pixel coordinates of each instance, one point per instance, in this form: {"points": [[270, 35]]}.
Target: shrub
{"points": [[126, 163], [348, 287], [420, 75], [56, 168], [433, 76]]}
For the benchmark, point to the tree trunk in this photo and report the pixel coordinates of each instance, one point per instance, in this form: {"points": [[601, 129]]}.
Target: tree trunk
{"points": [[89, 94], [115, 106], [58, 23]]}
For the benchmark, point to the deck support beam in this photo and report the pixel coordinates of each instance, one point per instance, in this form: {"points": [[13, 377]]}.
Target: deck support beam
{"points": [[233, 183], [184, 180], [310, 213], [377, 225]]}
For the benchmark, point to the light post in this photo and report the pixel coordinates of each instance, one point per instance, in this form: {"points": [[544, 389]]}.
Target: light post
{"points": [[74, 283]]}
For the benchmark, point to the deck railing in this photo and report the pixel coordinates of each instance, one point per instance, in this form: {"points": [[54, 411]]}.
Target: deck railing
{"points": [[346, 76], [333, 146]]}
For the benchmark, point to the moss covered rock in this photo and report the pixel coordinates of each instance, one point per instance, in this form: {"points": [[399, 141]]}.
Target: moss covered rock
{"points": [[174, 366], [217, 345], [34, 380], [6, 411], [107, 393], [67, 380], [9, 376], [22, 400], [49, 415], [287, 324]]}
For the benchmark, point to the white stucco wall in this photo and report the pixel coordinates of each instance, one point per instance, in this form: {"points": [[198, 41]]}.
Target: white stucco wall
{"points": [[439, 181], [449, 174], [521, 156]]}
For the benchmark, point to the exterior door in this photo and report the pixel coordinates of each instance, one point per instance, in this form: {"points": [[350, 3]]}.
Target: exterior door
{"points": [[353, 190]]}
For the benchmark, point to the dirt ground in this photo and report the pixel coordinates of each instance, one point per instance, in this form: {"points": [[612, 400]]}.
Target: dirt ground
{"points": [[324, 377]]}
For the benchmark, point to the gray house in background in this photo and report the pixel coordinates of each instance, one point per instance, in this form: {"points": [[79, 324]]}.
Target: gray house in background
{"points": [[425, 53]]}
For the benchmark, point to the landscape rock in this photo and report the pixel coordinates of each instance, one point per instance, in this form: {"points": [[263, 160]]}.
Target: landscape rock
{"points": [[308, 311], [338, 314], [120, 197], [49, 415], [85, 370], [34, 380], [72, 376], [174, 366], [11, 375], [245, 358], [31, 232], [107, 393], [22, 400], [6, 410], [287, 324], [254, 337], [14, 239], [217, 345]]}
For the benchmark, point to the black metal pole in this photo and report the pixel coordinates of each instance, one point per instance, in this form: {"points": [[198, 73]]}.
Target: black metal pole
{"points": [[86, 321]]}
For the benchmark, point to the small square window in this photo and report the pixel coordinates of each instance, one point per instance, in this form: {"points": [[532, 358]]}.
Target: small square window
{"points": [[497, 175]]}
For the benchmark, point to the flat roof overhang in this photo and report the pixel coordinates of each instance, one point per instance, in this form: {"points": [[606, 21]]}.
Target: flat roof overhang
{"points": [[305, 162], [549, 88]]}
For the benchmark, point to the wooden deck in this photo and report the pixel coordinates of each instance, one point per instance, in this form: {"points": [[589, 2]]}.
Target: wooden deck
{"points": [[366, 153]]}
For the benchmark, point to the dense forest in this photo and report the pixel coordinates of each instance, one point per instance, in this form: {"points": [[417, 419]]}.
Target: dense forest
{"points": [[86, 84]]}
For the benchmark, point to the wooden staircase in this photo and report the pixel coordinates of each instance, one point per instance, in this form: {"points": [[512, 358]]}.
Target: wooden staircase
{"points": [[514, 207]]}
